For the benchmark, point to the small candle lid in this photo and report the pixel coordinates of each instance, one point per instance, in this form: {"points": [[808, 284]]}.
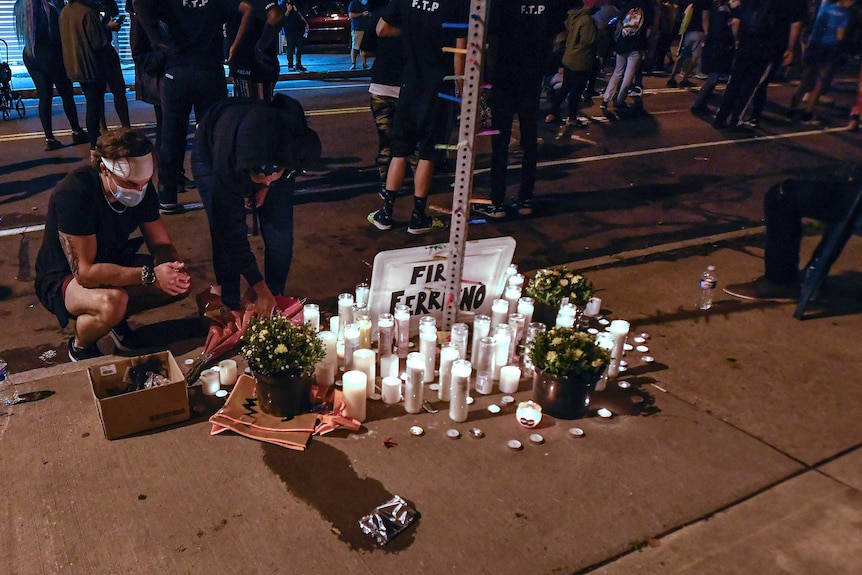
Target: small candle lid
{"points": [[476, 433], [188, 361], [628, 347], [514, 444], [576, 432], [592, 331], [470, 401], [642, 348], [648, 358], [603, 321], [507, 399], [638, 339], [536, 438], [433, 386], [624, 384], [494, 408], [221, 393], [605, 413], [416, 430], [453, 433]]}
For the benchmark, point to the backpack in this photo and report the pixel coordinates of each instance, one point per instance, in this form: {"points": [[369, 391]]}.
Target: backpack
{"points": [[630, 24]]}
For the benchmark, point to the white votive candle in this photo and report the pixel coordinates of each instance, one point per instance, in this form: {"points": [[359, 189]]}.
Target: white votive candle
{"points": [[459, 388], [481, 328], [414, 386], [499, 312], [512, 295], [428, 348], [391, 390], [389, 365], [503, 338], [227, 372], [345, 312], [363, 322], [351, 344], [619, 329], [510, 377], [594, 306], [364, 360], [334, 323], [402, 329], [448, 354], [324, 374], [330, 347], [311, 314], [526, 306], [362, 291], [210, 383], [385, 333], [354, 386]]}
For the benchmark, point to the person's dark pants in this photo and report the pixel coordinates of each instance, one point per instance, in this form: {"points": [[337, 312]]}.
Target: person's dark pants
{"points": [[184, 88], [276, 226], [784, 207], [94, 95], [573, 87], [113, 73], [758, 101], [506, 101], [744, 77], [293, 49], [48, 71]]}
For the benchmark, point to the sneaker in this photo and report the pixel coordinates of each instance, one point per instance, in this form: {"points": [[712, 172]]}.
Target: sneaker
{"points": [[171, 209], [672, 83], [523, 207], [489, 210], [291, 69], [701, 76], [301, 68], [764, 290], [752, 123], [186, 183], [687, 84], [576, 123], [80, 137], [52, 144], [353, 66], [364, 66], [80, 354], [424, 225], [603, 105], [125, 338], [380, 221]]}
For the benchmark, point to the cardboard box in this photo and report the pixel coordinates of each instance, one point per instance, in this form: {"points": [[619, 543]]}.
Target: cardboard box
{"points": [[127, 413]]}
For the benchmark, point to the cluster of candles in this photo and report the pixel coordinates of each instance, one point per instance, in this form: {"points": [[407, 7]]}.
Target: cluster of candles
{"points": [[496, 351], [219, 379]]}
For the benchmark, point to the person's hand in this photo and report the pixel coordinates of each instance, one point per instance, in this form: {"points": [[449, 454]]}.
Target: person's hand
{"points": [[113, 25], [171, 278], [259, 298], [788, 57]]}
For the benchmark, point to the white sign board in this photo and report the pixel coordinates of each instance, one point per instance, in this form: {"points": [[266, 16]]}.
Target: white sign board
{"points": [[417, 277]]}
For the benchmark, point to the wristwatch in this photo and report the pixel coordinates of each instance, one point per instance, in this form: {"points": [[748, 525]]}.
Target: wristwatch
{"points": [[148, 275]]}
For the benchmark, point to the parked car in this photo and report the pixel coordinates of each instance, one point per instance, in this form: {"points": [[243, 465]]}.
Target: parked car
{"points": [[328, 23]]}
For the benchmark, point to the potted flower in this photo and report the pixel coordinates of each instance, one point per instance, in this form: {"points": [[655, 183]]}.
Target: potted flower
{"points": [[568, 364], [282, 356], [550, 286]]}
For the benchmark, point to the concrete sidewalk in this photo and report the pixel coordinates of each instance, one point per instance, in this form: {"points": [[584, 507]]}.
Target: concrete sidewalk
{"points": [[319, 66], [737, 451]]}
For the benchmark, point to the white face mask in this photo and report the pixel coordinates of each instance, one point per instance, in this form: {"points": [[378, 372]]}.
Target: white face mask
{"points": [[130, 197]]}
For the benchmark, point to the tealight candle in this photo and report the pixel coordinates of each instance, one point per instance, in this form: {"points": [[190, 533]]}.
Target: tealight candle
{"points": [[594, 306], [227, 373], [510, 377], [389, 365], [364, 361], [448, 354], [414, 387], [391, 390], [459, 387], [210, 383], [311, 314], [529, 414], [354, 385], [499, 312]]}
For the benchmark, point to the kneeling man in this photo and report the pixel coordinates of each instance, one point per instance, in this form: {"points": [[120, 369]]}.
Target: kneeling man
{"points": [[88, 268]]}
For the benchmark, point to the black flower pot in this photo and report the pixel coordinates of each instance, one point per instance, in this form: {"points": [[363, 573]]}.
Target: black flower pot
{"points": [[283, 395], [563, 397]]}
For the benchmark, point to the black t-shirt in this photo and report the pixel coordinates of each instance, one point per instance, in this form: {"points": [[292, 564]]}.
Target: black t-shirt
{"points": [[521, 37], [243, 64], [421, 24], [764, 26], [78, 207], [293, 24], [195, 28]]}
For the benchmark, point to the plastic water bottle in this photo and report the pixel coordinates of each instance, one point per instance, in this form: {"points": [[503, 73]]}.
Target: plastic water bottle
{"points": [[708, 281], [8, 394]]}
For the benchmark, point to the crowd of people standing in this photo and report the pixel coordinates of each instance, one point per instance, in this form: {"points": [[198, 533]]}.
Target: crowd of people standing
{"points": [[247, 148]]}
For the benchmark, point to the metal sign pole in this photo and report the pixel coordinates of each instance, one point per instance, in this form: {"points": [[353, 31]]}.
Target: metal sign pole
{"points": [[463, 184]]}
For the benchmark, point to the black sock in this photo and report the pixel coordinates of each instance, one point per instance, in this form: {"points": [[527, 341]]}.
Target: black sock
{"points": [[388, 201], [419, 206]]}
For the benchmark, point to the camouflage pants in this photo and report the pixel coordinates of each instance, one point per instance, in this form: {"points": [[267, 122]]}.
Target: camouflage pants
{"points": [[383, 110]]}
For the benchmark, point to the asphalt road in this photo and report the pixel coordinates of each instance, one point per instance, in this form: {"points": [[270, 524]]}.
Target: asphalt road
{"points": [[623, 183]]}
